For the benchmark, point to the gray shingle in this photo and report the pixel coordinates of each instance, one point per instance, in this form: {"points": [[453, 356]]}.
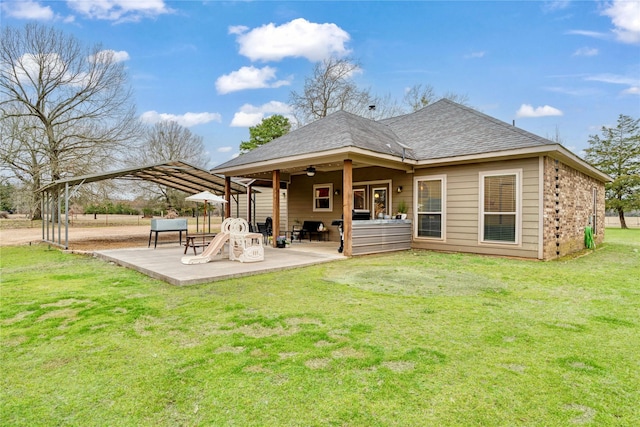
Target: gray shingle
{"points": [[442, 129], [446, 129], [338, 130]]}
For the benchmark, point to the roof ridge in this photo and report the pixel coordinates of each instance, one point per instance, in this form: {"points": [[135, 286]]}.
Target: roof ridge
{"points": [[498, 122]]}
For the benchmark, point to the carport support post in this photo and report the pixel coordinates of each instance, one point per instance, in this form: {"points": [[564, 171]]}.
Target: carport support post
{"points": [[347, 206], [59, 218], [66, 215], [276, 206]]}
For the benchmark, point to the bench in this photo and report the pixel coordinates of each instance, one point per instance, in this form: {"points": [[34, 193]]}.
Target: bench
{"points": [[167, 225], [311, 228], [198, 240]]}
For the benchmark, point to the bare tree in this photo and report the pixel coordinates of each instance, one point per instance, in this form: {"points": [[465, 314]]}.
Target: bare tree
{"points": [[21, 157], [168, 140], [165, 141], [72, 106], [419, 96], [330, 88]]}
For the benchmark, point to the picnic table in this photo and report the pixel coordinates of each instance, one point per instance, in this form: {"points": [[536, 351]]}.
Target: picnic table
{"points": [[198, 240]]}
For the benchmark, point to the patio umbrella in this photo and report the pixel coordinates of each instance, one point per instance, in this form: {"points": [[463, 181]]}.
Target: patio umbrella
{"points": [[206, 197]]}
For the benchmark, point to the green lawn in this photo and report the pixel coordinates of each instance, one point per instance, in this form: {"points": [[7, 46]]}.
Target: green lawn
{"points": [[412, 338]]}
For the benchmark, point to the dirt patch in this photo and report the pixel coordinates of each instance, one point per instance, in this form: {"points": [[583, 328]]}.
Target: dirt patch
{"points": [[399, 366], [317, 363], [90, 238]]}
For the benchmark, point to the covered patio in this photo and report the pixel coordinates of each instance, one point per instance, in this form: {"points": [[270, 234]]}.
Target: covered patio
{"points": [[164, 263]]}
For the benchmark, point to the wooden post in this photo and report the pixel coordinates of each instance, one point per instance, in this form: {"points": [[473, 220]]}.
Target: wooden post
{"points": [[276, 206], [249, 207], [347, 206], [227, 196]]}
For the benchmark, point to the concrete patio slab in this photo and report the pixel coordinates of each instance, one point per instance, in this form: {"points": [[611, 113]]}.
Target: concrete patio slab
{"points": [[163, 263]]}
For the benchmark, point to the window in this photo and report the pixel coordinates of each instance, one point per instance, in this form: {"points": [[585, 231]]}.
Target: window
{"points": [[323, 197], [359, 198], [500, 199], [380, 202], [429, 209]]}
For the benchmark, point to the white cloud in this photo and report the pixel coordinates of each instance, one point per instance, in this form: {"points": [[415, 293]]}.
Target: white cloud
{"points": [[472, 55], [574, 91], [527, 110], [238, 29], [249, 78], [586, 51], [633, 90], [29, 66], [103, 55], [298, 38], [633, 83], [592, 34], [186, 120], [242, 119], [614, 79], [250, 115], [554, 5], [224, 149], [625, 16], [27, 9], [120, 10]]}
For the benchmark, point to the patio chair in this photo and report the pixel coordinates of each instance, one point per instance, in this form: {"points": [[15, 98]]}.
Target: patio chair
{"points": [[262, 229]]}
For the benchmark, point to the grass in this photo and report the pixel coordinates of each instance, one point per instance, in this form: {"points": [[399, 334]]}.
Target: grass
{"points": [[413, 338]]}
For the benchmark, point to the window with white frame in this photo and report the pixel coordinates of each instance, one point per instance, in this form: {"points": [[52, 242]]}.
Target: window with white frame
{"points": [[430, 207], [500, 196], [323, 197]]}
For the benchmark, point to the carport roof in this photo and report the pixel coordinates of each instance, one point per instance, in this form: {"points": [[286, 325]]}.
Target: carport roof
{"points": [[175, 174]]}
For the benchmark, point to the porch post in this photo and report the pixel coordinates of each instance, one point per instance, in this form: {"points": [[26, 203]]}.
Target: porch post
{"points": [[227, 196], [276, 206], [249, 210], [347, 205]]}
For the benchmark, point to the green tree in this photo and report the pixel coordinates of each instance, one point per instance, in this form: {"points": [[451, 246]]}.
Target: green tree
{"points": [[269, 129], [617, 153], [6, 193]]}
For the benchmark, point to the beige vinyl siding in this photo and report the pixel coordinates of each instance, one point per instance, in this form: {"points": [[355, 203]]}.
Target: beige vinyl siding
{"points": [[263, 206], [300, 200], [463, 210]]}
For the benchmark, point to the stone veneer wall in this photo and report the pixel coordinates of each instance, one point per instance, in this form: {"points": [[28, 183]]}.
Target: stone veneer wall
{"points": [[568, 209]]}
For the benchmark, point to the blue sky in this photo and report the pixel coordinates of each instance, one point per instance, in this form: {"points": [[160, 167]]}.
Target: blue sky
{"points": [[219, 67]]}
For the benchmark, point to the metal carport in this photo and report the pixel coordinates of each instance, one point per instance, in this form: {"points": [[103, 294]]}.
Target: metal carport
{"points": [[175, 174]]}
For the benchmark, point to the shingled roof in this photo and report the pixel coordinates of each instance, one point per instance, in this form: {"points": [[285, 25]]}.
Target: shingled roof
{"points": [[442, 132], [446, 129], [338, 130]]}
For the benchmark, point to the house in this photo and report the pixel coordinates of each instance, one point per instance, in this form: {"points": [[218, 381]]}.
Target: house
{"points": [[472, 183]]}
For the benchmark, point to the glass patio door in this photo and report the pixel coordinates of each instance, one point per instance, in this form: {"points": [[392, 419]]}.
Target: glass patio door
{"points": [[380, 202]]}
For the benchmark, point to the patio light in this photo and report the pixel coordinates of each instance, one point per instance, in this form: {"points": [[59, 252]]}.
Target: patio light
{"points": [[311, 171]]}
